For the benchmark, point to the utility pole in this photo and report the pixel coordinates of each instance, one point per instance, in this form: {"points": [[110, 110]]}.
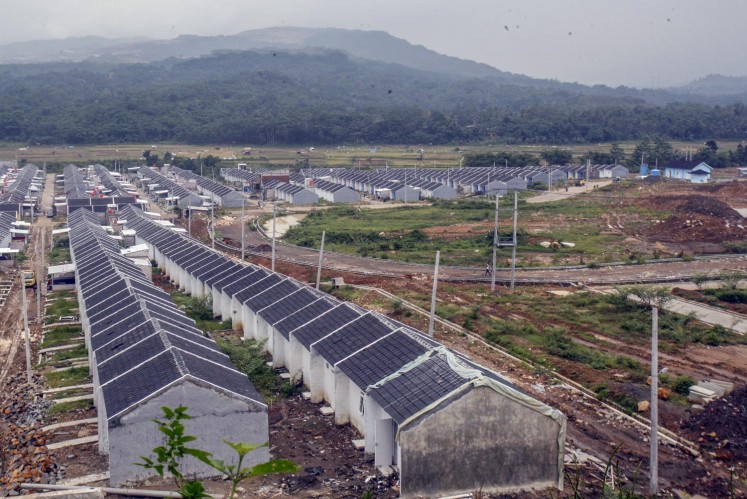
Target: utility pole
{"points": [[495, 243], [405, 185], [243, 246], [432, 319], [654, 454], [39, 251], [274, 206], [513, 244], [26, 336], [212, 225], [321, 257], [189, 220]]}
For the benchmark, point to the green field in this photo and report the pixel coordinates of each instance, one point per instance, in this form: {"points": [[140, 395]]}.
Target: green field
{"points": [[342, 156], [401, 233]]}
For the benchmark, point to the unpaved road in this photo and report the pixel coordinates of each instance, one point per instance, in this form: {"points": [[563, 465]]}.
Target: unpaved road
{"points": [[619, 274]]}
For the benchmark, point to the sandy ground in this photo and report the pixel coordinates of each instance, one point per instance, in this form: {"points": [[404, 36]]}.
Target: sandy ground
{"points": [[565, 194], [282, 224]]}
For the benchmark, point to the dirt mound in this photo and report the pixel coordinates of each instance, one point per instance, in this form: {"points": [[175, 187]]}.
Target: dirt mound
{"points": [[722, 426], [693, 204], [696, 218], [734, 189]]}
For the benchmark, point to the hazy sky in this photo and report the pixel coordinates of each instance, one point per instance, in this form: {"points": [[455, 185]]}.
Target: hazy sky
{"points": [[614, 42]]}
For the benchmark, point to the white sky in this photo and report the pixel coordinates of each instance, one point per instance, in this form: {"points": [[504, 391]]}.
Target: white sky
{"points": [[614, 42]]}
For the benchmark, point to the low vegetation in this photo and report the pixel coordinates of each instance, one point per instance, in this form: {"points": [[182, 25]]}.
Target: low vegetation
{"points": [[463, 232], [64, 304], [60, 251], [62, 356], [67, 377], [201, 311], [249, 357], [61, 335], [75, 405]]}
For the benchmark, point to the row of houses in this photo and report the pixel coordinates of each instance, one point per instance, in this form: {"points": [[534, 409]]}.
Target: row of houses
{"points": [[161, 187], [219, 194], [448, 424], [472, 180], [145, 353], [25, 189], [109, 183]]}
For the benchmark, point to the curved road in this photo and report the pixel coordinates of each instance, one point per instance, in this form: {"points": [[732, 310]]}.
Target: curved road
{"points": [[614, 274]]}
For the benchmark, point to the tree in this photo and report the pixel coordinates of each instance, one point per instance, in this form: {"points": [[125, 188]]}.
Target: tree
{"points": [[557, 156], [617, 152], [711, 144], [649, 296], [600, 158]]}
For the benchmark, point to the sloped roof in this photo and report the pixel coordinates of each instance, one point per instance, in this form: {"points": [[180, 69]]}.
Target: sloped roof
{"points": [[141, 341]]}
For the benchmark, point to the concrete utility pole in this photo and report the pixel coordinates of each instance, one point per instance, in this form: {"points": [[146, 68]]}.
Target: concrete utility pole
{"points": [[654, 454], [189, 220], [27, 338], [405, 185], [274, 212], [212, 225], [321, 257], [38, 251], [243, 246], [513, 244], [432, 319], [495, 243]]}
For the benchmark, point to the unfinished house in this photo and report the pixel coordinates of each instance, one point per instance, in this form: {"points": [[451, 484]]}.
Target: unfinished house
{"points": [[448, 425], [145, 353]]}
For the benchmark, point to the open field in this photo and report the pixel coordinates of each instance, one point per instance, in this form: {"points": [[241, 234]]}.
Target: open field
{"points": [[342, 156], [630, 221]]}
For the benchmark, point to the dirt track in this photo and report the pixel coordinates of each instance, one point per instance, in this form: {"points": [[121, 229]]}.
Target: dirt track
{"points": [[670, 271]]}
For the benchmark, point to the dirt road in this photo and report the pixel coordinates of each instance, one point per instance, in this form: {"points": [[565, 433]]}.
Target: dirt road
{"points": [[616, 274]]}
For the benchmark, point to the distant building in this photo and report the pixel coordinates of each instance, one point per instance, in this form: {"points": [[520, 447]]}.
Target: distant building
{"points": [[697, 172]]}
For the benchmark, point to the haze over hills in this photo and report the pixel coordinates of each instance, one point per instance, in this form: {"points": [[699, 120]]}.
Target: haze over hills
{"points": [[359, 44], [298, 85]]}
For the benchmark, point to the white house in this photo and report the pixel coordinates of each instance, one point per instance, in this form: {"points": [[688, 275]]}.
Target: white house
{"points": [[697, 172]]}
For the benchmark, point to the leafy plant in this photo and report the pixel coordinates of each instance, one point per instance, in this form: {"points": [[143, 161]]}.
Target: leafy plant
{"points": [[682, 384], [168, 457], [236, 474]]}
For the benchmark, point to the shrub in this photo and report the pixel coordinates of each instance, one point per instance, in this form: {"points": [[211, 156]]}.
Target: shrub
{"points": [[682, 384]]}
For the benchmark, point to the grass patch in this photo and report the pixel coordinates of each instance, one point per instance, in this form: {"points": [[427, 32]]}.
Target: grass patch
{"points": [[79, 352], [399, 232], [61, 307], [61, 335], [60, 252], [249, 357], [201, 311], [76, 392], [64, 407], [68, 377], [344, 293]]}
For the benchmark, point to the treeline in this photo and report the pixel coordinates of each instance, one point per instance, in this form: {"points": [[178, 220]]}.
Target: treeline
{"points": [[325, 98], [653, 152]]}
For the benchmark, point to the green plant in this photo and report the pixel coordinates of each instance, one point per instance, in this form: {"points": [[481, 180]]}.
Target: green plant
{"points": [[397, 307], [236, 474], [699, 280], [168, 457], [682, 384], [730, 279]]}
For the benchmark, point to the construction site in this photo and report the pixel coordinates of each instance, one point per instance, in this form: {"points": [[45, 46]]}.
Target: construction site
{"points": [[566, 332]]}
